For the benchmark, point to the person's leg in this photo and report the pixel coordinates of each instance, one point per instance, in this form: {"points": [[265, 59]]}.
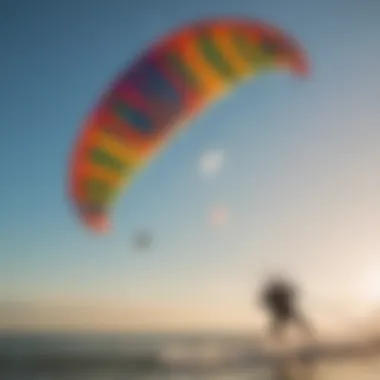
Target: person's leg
{"points": [[303, 324], [276, 331]]}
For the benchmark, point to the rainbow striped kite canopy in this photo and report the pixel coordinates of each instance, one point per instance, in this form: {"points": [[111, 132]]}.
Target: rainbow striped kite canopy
{"points": [[171, 82]]}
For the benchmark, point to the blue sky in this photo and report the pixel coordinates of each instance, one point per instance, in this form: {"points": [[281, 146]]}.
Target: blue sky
{"points": [[299, 182]]}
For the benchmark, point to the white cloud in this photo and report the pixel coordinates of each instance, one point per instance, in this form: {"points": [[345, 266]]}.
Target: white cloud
{"points": [[211, 162]]}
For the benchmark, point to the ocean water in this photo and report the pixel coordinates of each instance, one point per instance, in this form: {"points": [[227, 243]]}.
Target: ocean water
{"points": [[166, 357]]}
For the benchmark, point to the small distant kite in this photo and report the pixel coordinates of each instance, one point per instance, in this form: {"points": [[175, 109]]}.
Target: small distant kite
{"points": [[219, 217], [211, 162], [142, 240]]}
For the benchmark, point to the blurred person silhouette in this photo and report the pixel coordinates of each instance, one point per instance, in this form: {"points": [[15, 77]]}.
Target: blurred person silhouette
{"points": [[280, 299]]}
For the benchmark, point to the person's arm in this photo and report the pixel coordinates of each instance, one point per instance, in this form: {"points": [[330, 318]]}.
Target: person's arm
{"points": [[263, 299], [294, 292]]}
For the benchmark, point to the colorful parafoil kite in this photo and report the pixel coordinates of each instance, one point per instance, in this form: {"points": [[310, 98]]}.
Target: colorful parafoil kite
{"points": [[161, 92]]}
